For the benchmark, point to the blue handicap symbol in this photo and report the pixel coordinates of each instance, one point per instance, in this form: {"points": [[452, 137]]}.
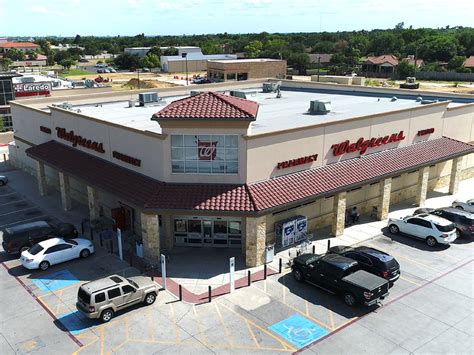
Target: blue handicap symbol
{"points": [[55, 281], [76, 322], [298, 330]]}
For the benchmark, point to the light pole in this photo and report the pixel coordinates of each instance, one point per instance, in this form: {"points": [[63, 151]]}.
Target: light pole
{"points": [[319, 63], [185, 55], [138, 72]]}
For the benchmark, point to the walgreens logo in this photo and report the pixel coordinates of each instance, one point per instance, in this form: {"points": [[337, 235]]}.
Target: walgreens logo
{"points": [[363, 144]]}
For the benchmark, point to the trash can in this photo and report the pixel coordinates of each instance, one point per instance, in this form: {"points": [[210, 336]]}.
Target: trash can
{"points": [[269, 253]]}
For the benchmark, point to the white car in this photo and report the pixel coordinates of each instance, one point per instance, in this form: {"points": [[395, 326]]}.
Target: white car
{"points": [[3, 180], [432, 229], [467, 206], [54, 251]]}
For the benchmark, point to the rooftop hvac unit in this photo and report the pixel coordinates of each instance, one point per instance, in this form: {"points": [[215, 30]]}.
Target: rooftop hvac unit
{"points": [[269, 87], [319, 107], [147, 97], [239, 94], [194, 93], [131, 103]]}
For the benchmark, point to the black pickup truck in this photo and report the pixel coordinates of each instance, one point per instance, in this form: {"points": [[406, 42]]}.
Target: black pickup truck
{"points": [[341, 275]]}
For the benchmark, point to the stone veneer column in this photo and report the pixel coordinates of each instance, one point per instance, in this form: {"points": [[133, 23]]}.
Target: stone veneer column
{"points": [[93, 198], [65, 191], [150, 236], [339, 214], [168, 231], [422, 187], [385, 188], [255, 240], [455, 176], [41, 177]]}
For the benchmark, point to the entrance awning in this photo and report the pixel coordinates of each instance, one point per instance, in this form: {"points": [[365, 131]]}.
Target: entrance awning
{"points": [[287, 190]]}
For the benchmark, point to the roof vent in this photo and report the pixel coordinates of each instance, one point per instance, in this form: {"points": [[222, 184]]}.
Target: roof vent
{"points": [[64, 106], [426, 102], [239, 94], [271, 87], [419, 99], [147, 98], [394, 98], [319, 107]]}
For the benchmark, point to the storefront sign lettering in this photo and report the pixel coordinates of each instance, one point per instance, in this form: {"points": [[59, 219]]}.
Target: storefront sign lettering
{"points": [[363, 144], [126, 158], [207, 150], [32, 89], [424, 132], [45, 129], [79, 140], [300, 161]]}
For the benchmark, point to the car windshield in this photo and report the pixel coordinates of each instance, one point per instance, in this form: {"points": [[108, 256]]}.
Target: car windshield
{"points": [[70, 241], [133, 283], [35, 249], [447, 228]]}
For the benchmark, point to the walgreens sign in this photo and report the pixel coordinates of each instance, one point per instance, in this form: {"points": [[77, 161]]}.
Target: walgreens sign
{"points": [[362, 144], [32, 89]]}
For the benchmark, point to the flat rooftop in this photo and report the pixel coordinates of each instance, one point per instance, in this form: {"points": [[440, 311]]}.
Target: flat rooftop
{"points": [[274, 114], [256, 60]]}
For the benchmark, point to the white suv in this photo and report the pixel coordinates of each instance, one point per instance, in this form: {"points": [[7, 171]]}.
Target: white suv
{"points": [[432, 229]]}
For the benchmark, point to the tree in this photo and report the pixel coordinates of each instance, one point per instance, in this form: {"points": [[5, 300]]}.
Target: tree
{"points": [[170, 51], [67, 63], [299, 61], [456, 62], [438, 48], [15, 54], [32, 55], [127, 61], [51, 55], [405, 69], [151, 61], [91, 49], [253, 49], [156, 51], [5, 63], [75, 53], [77, 39]]}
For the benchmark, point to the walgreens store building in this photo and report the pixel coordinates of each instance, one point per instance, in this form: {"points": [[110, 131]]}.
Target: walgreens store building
{"points": [[236, 165]]}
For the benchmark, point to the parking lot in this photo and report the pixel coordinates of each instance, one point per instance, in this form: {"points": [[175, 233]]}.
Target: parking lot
{"points": [[429, 309]]}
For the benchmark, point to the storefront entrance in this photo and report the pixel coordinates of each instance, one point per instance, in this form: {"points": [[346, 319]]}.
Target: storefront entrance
{"points": [[216, 232]]}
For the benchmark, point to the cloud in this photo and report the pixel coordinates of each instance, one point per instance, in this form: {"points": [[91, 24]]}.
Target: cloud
{"points": [[39, 9]]}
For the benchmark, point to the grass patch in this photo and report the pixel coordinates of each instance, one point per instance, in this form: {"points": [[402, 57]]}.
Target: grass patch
{"points": [[74, 72]]}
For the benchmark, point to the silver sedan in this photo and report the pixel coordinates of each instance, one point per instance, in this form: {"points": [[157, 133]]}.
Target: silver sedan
{"points": [[467, 206]]}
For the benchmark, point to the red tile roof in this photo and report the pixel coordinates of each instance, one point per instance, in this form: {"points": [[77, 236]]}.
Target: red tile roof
{"points": [[358, 171], [381, 59], [209, 105], [469, 62], [18, 45], [151, 194]]}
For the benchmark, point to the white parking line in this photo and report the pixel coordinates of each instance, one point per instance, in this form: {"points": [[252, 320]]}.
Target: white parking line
{"points": [[13, 193], [9, 203], [22, 221], [17, 211]]}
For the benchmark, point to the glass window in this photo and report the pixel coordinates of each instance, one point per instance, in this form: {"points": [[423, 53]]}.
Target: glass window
{"points": [[180, 225], [220, 227], [127, 289], [448, 228], [235, 227], [194, 226], [113, 293], [205, 154], [100, 297], [35, 249]]}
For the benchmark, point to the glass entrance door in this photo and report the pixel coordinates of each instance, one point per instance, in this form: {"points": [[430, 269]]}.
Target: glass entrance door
{"points": [[207, 233]]}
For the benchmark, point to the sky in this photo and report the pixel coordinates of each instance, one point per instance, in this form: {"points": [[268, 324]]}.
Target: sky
{"points": [[176, 17]]}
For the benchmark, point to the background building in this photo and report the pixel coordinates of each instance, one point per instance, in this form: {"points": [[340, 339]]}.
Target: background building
{"points": [[244, 69], [195, 61]]}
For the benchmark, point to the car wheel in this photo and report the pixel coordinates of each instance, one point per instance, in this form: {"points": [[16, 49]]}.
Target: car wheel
{"points": [[150, 298], [44, 265], [24, 248], [393, 229], [431, 241], [349, 299], [85, 253], [2, 183], [458, 233], [460, 208], [106, 315], [298, 275]]}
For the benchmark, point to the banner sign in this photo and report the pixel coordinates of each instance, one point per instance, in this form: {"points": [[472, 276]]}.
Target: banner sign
{"points": [[33, 89]]}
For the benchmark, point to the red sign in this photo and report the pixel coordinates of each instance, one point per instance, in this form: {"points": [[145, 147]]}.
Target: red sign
{"points": [[126, 158], [45, 129], [300, 161], [424, 132], [363, 144], [79, 140], [33, 89], [207, 150]]}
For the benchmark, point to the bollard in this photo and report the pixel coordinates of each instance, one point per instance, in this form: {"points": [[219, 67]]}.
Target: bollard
{"points": [[4, 157], [314, 249], [265, 271], [249, 278], [209, 290], [180, 292], [329, 244], [152, 273], [280, 266]]}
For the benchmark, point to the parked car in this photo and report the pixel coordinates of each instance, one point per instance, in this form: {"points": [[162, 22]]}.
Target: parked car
{"points": [[101, 299], [112, 70], [3, 180], [340, 275], [431, 229], [146, 70], [21, 237], [101, 71], [463, 220], [423, 210], [55, 251], [467, 206], [371, 260]]}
